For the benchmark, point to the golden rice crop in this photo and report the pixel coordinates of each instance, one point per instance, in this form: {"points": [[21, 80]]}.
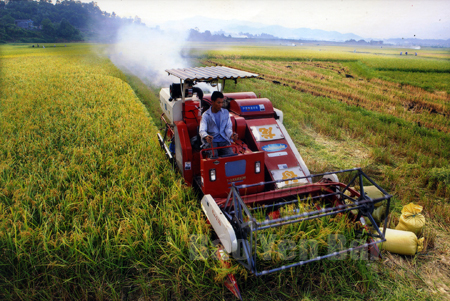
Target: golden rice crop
{"points": [[82, 181]]}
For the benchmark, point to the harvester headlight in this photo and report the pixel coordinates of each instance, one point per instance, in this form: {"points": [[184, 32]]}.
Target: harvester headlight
{"points": [[257, 167], [212, 175]]}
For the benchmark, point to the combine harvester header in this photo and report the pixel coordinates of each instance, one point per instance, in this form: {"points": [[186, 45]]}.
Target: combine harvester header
{"points": [[265, 173]]}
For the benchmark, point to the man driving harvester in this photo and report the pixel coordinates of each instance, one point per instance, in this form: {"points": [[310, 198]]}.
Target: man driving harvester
{"points": [[216, 127]]}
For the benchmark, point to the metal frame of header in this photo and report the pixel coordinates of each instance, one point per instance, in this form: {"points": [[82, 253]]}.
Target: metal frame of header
{"points": [[247, 226]]}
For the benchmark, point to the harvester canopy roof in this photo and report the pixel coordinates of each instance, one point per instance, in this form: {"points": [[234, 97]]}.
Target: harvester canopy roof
{"points": [[209, 73]]}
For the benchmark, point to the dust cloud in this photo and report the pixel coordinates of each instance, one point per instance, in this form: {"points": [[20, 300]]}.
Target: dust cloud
{"points": [[146, 52]]}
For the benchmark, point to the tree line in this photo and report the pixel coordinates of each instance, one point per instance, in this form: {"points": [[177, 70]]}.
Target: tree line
{"points": [[66, 20], [207, 36]]}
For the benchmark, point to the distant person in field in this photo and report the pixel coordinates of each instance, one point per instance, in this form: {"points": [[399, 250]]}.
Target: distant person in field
{"points": [[216, 127]]}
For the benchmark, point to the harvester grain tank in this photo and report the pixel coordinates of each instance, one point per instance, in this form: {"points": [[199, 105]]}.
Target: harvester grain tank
{"points": [[265, 173]]}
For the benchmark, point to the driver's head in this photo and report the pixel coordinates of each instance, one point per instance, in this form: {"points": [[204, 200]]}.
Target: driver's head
{"points": [[217, 101]]}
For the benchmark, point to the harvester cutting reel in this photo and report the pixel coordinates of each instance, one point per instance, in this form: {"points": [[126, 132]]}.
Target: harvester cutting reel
{"points": [[238, 229]]}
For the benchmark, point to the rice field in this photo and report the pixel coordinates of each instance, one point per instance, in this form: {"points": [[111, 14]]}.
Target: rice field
{"points": [[370, 59], [82, 182], [89, 209]]}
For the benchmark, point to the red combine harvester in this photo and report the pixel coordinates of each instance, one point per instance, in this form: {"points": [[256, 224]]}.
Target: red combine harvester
{"points": [[265, 172]]}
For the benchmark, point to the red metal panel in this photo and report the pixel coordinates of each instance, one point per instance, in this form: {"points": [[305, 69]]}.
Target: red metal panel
{"points": [[238, 95], [221, 187], [252, 108], [269, 197], [240, 126], [191, 117], [182, 131], [272, 163], [195, 163]]}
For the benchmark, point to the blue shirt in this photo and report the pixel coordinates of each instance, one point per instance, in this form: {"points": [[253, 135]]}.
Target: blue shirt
{"points": [[218, 136], [209, 126]]}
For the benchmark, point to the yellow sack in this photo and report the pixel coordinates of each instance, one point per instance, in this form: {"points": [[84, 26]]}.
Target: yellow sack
{"points": [[401, 242], [411, 219], [374, 193]]}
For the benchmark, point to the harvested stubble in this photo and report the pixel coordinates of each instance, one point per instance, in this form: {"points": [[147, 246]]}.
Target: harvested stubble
{"points": [[328, 79]]}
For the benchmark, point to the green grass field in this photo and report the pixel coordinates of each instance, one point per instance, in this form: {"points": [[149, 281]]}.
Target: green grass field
{"points": [[89, 209]]}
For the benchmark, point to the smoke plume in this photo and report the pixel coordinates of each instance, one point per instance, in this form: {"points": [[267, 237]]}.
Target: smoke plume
{"points": [[147, 52]]}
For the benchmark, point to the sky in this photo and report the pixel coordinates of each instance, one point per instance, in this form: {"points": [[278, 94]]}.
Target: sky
{"points": [[377, 19]]}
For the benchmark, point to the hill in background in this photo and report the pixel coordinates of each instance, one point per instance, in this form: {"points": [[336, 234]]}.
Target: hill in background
{"points": [[69, 20], [63, 21]]}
